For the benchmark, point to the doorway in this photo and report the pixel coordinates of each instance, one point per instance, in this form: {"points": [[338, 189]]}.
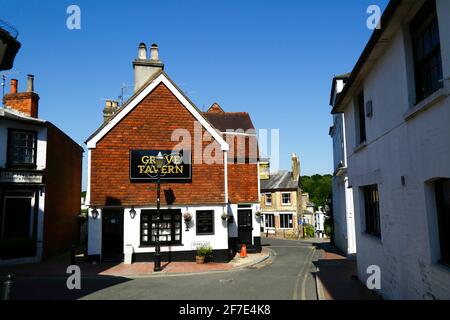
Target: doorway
{"points": [[112, 234], [245, 226]]}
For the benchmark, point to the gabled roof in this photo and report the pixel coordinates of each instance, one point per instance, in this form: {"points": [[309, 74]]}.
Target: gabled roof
{"points": [[281, 180], [147, 88], [12, 114]]}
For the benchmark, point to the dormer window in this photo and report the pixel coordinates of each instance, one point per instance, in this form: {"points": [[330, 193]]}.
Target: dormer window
{"points": [[21, 148]]}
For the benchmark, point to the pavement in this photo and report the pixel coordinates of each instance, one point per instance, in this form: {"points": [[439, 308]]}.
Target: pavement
{"points": [[285, 270], [336, 276], [57, 267]]}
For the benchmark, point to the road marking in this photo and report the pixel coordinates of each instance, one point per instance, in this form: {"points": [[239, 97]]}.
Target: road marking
{"points": [[299, 276]]}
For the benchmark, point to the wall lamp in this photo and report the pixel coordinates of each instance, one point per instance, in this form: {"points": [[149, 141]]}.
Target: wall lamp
{"points": [[95, 213], [132, 213]]}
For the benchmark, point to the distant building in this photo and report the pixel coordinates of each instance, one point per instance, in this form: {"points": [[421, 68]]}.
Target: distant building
{"points": [[396, 110], [40, 182], [343, 212], [281, 201], [308, 210]]}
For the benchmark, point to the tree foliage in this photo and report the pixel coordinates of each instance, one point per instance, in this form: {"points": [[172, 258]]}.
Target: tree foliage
{"points": [[318, 187]]}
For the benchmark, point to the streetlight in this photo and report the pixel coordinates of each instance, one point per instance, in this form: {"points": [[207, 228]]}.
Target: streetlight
{"points": [[159, 161]]}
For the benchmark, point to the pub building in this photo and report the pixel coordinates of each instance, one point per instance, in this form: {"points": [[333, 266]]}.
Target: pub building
{"points": [[40, 182], [204, 201]]}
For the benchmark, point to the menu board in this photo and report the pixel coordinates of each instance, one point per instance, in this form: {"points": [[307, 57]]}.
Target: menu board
{"points": [[205, 222]]}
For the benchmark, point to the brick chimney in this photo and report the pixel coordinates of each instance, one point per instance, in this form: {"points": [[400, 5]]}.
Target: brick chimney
{"points": [[295, 167], [25, 102], [145, 68]]}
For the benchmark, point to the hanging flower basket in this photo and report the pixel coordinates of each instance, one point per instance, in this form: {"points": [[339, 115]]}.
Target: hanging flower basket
{"points": [[224, 217], [187, 217], [258, 214]]}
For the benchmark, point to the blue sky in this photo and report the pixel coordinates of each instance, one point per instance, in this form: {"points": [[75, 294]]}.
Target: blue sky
{"points": [[273, 59]]}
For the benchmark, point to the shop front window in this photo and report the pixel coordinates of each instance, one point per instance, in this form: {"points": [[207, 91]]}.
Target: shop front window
{"points": [[169, 227]]}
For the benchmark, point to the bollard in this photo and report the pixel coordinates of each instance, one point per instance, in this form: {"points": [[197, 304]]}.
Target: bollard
{"points": [[7, 287], [72, 255]]}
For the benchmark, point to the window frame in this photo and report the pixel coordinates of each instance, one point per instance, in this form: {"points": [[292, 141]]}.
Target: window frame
{"points": [[268, 204], [152, 212], [268, 220], [360, 109], [421, 26], [443, 209], [281, 220], [9, 146], [212, 221], [290, 199], [372, 210]]}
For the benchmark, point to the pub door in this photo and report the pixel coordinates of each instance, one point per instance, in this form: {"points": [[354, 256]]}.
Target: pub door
{"points": [[245, 226], [112, 234]]}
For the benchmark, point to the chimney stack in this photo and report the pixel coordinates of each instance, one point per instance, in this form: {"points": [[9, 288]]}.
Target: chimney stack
{"points": [[24, 102], [295, 167], [111, 107], [145, 68]]}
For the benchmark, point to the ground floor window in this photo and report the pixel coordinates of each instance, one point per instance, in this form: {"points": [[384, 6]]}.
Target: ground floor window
{"points": [[270, 220], [169, 227], [442, 189], [372, 210], [286, 221]]}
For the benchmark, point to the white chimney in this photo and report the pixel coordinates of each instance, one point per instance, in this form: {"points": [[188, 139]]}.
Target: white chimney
{"points": [[145, 68]]}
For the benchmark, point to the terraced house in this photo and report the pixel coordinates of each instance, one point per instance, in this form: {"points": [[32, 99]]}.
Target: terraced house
{"points": [[396, 108], [209, 180]]}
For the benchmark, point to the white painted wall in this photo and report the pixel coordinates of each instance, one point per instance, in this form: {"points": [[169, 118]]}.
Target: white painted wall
{"points": [[417, 148]]}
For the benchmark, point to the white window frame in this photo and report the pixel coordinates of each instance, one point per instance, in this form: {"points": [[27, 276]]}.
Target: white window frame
{"points": [[292, 219], [269, 204], [290, 199]]}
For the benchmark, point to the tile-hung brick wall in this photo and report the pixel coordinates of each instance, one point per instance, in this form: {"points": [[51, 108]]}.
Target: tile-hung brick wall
{"points": [[149, 127]]}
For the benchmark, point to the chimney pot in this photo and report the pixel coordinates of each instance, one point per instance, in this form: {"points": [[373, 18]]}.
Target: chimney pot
{"points": [[154, 52], [30, 83], [13, 88], [142, 52]]}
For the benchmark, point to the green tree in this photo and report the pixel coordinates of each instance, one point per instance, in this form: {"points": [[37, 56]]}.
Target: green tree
{"points": [[318, 187]]}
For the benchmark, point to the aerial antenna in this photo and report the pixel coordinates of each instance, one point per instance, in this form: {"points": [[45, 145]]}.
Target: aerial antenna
{"points": [[123, 88], [4, 76]]}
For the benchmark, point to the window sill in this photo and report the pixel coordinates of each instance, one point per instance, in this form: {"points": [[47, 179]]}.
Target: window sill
{"points": [[162, 245], [359, 147], [425, 104]]}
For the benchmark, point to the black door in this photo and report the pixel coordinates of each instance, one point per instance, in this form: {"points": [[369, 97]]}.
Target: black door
{"points": [[245, 226], [112, 234]]}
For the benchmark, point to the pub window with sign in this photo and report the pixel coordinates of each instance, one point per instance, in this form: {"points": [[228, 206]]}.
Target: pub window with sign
{"points": [[169, 227], [205, 222], [21, 148]]}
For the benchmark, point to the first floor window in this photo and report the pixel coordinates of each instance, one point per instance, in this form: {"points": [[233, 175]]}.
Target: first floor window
{"points": [[286, 221], [268, 199], [270, 220], [442, 189], [372, 210], [205, 222], [21, 147], [286, 198], [169, 227]]}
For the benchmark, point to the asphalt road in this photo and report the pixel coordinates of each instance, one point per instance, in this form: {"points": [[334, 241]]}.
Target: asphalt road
{"points": [[288, 275]]}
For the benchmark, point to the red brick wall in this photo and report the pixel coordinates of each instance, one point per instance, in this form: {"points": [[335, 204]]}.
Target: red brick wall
{"points": [[150, 126], [62, 192], [243, 183]]}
